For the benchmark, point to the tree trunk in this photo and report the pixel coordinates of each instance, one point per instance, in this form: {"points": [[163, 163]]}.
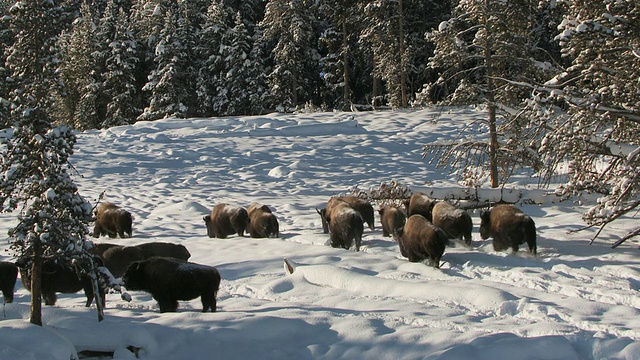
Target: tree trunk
{"points": [[96, 294], [346, 91], [294, 89], [403, 73], [35, 315], [491, 102]]}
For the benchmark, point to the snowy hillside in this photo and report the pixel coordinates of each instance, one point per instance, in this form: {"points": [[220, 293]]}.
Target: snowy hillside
{"points": [[574, 301]]}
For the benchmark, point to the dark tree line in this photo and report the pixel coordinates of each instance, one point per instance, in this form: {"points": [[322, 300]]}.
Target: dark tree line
{"points": [[125, 60]]}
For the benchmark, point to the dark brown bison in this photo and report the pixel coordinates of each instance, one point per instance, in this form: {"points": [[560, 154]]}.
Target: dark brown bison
{"points": [[163, 249], [262, 222], [118, 258], [113, 221], [421, 204], [8, 277], [226, 220], [509, 227], [99, 248], [456, 223], [362, 206], [169, 280], [58, 277], [391, 218], [345, 227], [420, 240]]}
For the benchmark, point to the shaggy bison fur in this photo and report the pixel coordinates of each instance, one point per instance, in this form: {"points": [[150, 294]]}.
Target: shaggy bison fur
{"points": [[99, 248], [509, 227], [113, 221], [226, 220], [362, 206], [456, 223], [169, 280], [345, 226], [118, 258], [262, 222], [57, 277], [163, 249], [8, 277], [391, 218], [420, 204], [420, 240]]}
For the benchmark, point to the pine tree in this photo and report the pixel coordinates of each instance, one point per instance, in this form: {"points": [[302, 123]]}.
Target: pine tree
{"points": [[121, 58], [6, 40], [592, 108], [80, 67], [211, 62], [171, 82], [34, 177], [338, 37], [384, 32], [288, 29], [486, 53], [240, 90]]}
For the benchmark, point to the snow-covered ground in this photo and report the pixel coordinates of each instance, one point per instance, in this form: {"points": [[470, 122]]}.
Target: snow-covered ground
{"points": [[574, 301]]}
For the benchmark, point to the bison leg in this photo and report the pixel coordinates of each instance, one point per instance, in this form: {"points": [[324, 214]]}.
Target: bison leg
{"points": [[88, 292], [240, 230], [208, 302], [358, 242], [8, 295], [168, 305], [532, 246], [49, 298], [499, 244], [467, 238], [435, 261]]}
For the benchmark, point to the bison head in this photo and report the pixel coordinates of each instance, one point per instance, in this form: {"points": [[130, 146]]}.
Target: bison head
{"points": [[135, 277], [485, 224]]}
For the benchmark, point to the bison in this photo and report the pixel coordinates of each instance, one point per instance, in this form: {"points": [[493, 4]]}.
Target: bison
{"points": [[421, 204], [509, 227], [345, 226], [362, 206], [164, 249], [391, 219], [226, 220], [99, 248], [57, 277], [420, 240], [456, 223], [113, 221], [8, 277], [262, 222], [169, 280], [118, 258]]}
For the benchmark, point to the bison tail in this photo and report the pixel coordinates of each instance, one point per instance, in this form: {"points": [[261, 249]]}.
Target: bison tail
{"points": [[529, 230]]}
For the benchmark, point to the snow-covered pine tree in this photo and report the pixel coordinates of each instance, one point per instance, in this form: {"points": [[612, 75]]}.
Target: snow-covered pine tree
{"points": [[338, 37], [210, 60], [240, 89], [486, 52], [121, 58], [6, 39], [34, 177], [171, 83], [592, 108], [384, 32], [80, 69], [288, 29]]}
